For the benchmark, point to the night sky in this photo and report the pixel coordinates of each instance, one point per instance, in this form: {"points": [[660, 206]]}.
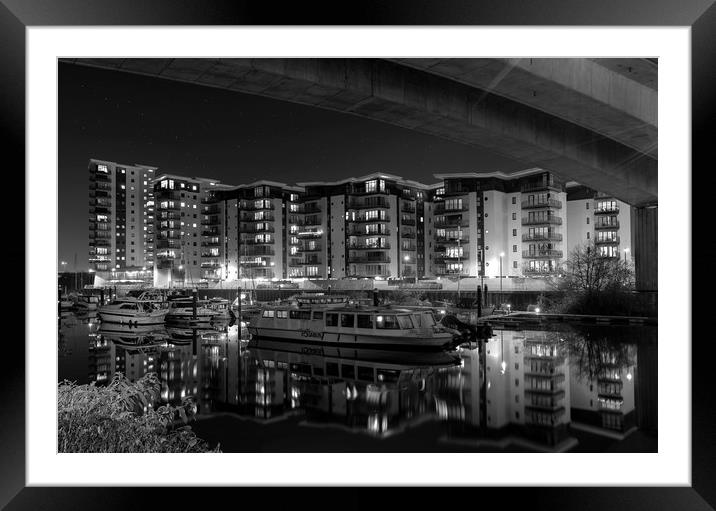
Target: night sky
{"points": [[236, 138]]}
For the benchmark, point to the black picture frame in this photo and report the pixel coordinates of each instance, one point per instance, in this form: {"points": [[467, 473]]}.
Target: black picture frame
{"points": [[17, 15]]}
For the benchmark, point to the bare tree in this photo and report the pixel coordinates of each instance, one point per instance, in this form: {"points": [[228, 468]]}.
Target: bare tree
{"points": [[591, 283]]}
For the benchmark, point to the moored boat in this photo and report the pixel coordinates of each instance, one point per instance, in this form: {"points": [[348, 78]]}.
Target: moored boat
{"points": [[86, 303], [344, 325], [183, 310], [132, 312]]}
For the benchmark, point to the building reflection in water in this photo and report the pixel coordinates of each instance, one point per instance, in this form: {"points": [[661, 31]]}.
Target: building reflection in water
{"points": [[534, 390]]}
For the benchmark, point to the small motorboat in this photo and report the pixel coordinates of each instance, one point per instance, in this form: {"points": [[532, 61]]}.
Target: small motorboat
{"points": [[132, 312]]}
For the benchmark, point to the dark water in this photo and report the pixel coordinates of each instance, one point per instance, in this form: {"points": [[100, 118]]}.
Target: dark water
{"points": [[591, 389]]}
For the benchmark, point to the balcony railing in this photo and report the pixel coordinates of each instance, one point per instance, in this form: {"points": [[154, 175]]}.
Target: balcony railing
{"points": [[606, 211], [363, 220], [456, 222], [442, 209], [316, 248], [549, 203], [309, 234], [553, 236], [606, 241], [366, 259], [539, 271], [541, 254], [361, 246], [537, 187], [446, 239], [251, 242], [383, 203], [550, 220], [407, 221], [605, 225], [407, 207], [353, 231], [408, 235]]}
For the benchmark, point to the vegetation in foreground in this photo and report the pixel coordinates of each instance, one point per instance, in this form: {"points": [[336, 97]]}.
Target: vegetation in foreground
{"points": [[120, 417]]}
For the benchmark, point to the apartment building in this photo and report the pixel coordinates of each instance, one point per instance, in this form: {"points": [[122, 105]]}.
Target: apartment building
{"points": [[496, 224], [598, 218], [121, 217], [186, 250]]}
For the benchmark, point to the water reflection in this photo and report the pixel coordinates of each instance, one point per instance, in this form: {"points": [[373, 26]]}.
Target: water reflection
{"points": [[519, 390]]}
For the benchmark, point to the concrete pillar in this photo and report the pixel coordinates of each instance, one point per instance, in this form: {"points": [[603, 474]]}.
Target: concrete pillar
{"points": [[645, 230]]}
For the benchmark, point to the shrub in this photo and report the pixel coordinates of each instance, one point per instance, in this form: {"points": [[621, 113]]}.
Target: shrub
{"points": [[120, 417]]}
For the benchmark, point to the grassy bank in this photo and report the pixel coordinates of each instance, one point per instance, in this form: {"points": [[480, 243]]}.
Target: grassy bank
{"points": [[120, 417]]}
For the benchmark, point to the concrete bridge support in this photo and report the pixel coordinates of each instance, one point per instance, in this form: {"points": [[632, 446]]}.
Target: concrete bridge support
{"points": [[645, 228]]}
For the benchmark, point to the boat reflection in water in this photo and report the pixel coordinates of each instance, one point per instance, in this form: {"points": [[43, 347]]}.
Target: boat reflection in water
{"points": [[524, 390]]}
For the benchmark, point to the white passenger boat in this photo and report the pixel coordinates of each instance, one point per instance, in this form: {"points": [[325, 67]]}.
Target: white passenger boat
{"points": [[222, 306], [384, 327], [132, 312], [86, 303]]}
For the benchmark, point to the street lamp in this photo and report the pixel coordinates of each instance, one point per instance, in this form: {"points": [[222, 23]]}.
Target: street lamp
{"points": [[64, 264], [405, 266], [502, 254]]}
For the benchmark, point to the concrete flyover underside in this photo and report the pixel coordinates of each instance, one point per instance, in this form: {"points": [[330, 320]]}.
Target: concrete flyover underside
{"points": [[587, 120]]}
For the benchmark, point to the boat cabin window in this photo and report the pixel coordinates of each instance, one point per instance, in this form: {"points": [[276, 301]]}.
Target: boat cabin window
{"points": [[128, 306], [268, 313], [317, 314], [417, 320], [365, 373], [365, 321], [331, 369], [281, 314], [405, 322], [386, 321], [347, 320], [331, 319], [348, 371], [299, 314]]}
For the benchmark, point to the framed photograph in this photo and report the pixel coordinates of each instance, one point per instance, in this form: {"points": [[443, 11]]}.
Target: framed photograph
{"points": [[419, 250]]}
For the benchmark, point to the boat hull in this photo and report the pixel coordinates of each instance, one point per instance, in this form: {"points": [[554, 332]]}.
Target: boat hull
{"points": [[408, 342], [131, 319]]}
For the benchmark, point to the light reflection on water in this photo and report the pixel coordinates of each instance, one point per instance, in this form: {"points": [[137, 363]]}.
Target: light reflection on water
{"points": [[524, 390]]}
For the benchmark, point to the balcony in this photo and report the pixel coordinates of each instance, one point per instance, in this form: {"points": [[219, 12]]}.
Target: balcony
{"points": [[247, 229], [443, 209], [549, 203], [553, 236], [354, 231], [211, 243], [408, 235], [606, 211], [606, 225], [362, 246], [446, 239], [369, 204], [307, 210], [210, 232], [407, 207], [606, 241], [549, 220], [542, 254], [310, 262], [407, 221], [363, 220], [251, 242], [308, 249], [168, 244], [212, 263], [447, 257], [539, 187], [309, 234], [163, 194], [382, 258], [451, 222]]}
